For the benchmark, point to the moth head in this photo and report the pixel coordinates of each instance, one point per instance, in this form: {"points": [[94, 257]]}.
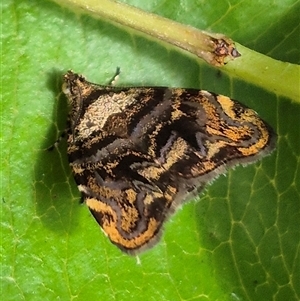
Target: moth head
{"points": [[74, 86], [72, 82]]}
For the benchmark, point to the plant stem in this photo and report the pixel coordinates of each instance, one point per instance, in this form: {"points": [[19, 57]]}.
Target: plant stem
{"points": [[275, 76], [216, 49]]}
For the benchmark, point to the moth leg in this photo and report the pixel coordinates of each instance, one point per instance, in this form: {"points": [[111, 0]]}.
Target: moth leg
{"points": [[56, 143]]}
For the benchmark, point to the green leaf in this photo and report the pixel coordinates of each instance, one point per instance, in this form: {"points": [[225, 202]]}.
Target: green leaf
{"points": [[238, 241]]}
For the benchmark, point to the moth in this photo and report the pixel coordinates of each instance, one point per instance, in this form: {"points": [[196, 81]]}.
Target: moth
{"points": [[137, 153]]}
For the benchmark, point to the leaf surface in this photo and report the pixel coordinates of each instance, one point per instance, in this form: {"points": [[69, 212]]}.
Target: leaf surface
{"points": [[238, 241]]}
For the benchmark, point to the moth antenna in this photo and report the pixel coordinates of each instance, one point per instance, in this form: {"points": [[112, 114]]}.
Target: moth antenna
{"points": [[115, 78]]}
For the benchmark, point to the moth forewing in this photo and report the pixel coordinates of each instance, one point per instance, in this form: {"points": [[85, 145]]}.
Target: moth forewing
{"points": [[138, 152]]}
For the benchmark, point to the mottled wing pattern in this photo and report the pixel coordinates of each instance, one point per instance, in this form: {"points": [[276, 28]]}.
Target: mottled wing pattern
{"points": [[137, 153]]}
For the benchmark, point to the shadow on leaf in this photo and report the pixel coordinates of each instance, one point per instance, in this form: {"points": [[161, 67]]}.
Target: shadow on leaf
{"points": [[56, 192]]}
